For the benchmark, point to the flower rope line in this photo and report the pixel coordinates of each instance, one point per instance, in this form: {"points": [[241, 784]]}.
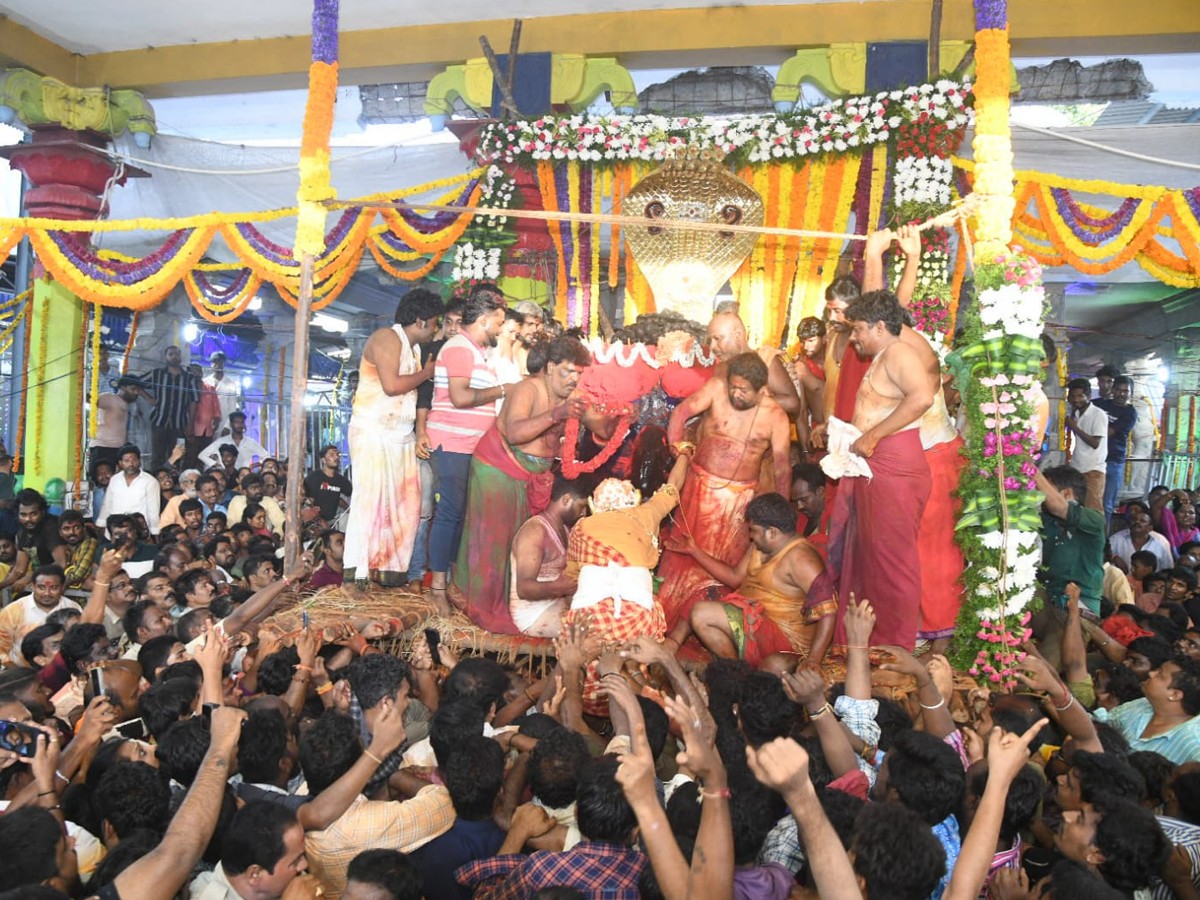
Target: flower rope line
{"points": [[19, 449], [836, 127], [94, 392]]}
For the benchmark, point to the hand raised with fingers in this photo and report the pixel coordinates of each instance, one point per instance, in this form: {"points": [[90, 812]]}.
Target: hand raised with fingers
{"points": [[1035, 672], [909, 239], [699, 753], [904, 663], [552, 706], [569, 645], [636, 771], [308, 644], [942, 673], [806, 688], [860, 622], [1008, 752], [644, 649], [781, 765]]}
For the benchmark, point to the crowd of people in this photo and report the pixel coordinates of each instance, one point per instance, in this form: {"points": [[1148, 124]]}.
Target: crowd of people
{"points": [[745, 603]]}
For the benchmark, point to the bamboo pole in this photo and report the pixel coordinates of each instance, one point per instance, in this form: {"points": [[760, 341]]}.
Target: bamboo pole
{"points": [[962, 208], [293, 530]]}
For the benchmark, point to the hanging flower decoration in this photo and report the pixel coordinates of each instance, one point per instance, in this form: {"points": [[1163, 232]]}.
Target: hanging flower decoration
{"points": [[997, 366], [571, 466], [836, 127]]}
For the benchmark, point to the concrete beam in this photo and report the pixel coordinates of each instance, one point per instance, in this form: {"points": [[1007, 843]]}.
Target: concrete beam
{"points": [[746, 34]]}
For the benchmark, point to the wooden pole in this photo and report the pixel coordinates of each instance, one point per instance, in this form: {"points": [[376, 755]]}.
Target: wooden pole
{"points": [[293, 530], [935, 40]]}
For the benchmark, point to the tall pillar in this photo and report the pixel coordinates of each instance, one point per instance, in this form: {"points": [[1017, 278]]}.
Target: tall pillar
{"points": [[55, 382], [67, 173]]}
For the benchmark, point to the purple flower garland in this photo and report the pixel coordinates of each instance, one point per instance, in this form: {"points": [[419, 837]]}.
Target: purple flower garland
{"points": [[218, 295], [1088, 229], [991, 14], [438, 221], [75, 247], [282, 256], [325, 31]]}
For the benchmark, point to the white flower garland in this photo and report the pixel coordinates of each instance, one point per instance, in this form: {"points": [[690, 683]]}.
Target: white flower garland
{"points": [[1012, 309], [625, 355], [476, 263], [837, 126]]}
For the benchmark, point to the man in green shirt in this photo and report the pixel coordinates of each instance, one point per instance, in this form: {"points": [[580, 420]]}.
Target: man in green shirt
{"points": [[1073, 538]]}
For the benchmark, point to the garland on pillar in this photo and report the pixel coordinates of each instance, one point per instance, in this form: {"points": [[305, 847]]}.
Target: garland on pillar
{"points": [[19, 449], [997, 365]]}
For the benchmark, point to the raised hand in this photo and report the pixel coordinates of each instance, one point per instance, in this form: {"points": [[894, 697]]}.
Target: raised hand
{"points": [[1010, 884], [859, 622], [1036, 673], [909, 239], [699, 752], [569, 647], [904, 663], [387, 731], [1008, 752], [98, 719], [806, 688], [942, 673], [645, 649], [552, 706], [781, 765]]}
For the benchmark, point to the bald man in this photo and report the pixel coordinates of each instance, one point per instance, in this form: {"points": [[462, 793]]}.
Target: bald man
{"points": [[727, 338]]}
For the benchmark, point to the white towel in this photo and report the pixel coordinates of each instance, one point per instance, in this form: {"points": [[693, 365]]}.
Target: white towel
{"points": [[839, 462]]}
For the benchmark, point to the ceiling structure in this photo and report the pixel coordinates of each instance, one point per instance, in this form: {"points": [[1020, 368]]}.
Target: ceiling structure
{"points": [[230, 47], [169, 49]]}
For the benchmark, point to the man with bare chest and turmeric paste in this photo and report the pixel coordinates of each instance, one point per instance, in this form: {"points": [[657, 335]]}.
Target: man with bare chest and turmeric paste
{"points": [[741, 424]]}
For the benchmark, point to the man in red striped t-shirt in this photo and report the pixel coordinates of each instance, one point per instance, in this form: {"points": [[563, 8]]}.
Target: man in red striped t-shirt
{"points": [[465, 391]]}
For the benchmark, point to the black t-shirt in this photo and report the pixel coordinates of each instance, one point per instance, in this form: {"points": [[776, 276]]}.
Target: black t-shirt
{"points": [[1121, 419], [326, 491], [40, 542], [425, 388]]}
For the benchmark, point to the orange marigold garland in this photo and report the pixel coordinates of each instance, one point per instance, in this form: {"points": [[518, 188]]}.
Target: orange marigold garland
{"points": [[572, 467]]}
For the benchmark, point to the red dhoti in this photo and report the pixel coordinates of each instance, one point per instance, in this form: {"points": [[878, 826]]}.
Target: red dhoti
{"points": [[941, 559], [873, 539], [713, 511]]}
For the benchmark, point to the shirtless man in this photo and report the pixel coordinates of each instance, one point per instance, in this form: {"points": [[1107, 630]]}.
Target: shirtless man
{"points": [[112, 422], [779, 606], [741, 426], [808, 369], [727, 339], [940, 556], [843, 373], [510, 479], [873, 534], [539, 590]]}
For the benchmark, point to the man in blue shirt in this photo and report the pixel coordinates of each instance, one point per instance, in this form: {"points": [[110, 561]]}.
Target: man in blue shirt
{"points": [[1121, 419], [474, 774]]}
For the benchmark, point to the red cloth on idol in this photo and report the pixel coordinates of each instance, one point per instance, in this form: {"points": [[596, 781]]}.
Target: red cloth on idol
{"points": [[941, 558], [873, 539]]}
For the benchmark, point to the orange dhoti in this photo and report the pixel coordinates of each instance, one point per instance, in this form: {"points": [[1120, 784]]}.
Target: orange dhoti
{"points": [[713, 511], [941, 559]]}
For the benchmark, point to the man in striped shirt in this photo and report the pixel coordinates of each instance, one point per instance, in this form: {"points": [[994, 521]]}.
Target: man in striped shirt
{"points": [[465, 391], [175, 395]]}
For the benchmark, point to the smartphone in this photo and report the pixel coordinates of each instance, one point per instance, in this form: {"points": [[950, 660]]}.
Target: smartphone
{"points": [[433, 637], [96, 677], [304, 619], [18, 738], [134, 729], [206, 711]]}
